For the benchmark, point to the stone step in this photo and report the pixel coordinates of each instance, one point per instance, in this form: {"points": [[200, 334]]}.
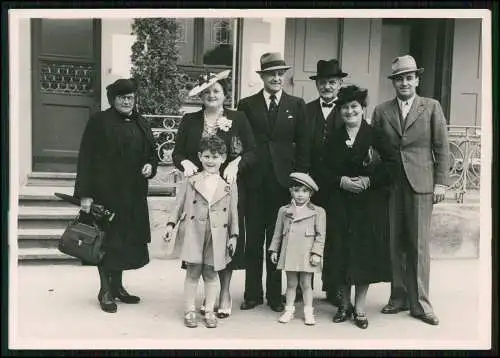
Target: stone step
{"points": [[43, 254], [49, 213], [44, 195], [50, 179], [39, 237], [41, 218]]}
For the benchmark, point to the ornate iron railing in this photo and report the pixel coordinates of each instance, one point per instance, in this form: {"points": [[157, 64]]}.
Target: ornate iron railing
{"points": [[465, 151], [164, 128], [465, 159]]}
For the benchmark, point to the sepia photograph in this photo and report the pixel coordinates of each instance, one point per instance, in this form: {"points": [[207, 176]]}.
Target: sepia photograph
{"points": [[250, 179]]}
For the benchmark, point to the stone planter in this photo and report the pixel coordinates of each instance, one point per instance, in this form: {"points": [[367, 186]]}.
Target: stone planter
{"points": [[455, 231]]}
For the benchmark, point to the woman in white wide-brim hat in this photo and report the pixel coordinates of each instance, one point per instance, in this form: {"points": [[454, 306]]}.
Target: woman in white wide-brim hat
{"points": [[233, 127]]}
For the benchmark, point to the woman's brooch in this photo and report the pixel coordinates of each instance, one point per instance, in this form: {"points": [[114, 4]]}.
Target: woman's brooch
{"points": [[224, 124]]}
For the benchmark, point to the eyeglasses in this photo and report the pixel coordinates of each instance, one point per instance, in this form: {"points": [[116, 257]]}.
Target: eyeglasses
{"points": [[130, 98]]}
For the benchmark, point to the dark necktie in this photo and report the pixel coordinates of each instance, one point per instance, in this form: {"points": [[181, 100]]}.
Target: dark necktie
{"points": [[273, 110], [328, 105]]}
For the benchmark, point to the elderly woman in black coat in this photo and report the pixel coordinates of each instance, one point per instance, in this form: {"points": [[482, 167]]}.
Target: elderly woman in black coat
{"points": [[116, 159], [361, 164], [233, 127]]}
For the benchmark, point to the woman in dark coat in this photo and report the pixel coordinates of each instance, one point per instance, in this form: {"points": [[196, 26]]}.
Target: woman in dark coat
{"points": [[233, 127], [361, 164], [116, 159]]}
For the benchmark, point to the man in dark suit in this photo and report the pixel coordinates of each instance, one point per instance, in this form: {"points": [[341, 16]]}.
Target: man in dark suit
{"points": [[323, 119], [280, 128], [417, 126]]}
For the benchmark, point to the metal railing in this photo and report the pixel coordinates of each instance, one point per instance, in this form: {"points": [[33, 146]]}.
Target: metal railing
{"points": [[464, 141], [164, 128], [465, 159]]}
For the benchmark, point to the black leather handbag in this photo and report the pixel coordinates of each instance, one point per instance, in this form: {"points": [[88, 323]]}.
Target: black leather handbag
{"points": [[83, 241]]}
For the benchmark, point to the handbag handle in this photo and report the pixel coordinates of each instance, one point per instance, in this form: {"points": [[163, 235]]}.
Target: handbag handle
{"points": [[77, 220]]}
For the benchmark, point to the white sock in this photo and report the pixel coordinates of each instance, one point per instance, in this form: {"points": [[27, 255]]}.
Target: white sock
{"points": [[190, 289]]}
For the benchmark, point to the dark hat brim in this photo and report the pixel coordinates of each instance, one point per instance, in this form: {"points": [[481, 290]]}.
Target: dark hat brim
{"points": [[341, 75], [392, 75], [274, 68]]}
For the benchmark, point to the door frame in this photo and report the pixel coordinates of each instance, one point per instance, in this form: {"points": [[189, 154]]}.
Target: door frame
{"points": [[36, 33], [444, 65]]}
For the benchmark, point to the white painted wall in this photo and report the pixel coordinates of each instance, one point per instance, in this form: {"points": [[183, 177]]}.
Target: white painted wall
{"points": [[116, 42], [361, 56], [260, 35], [465, 107], [395, 42], [23, 106]]}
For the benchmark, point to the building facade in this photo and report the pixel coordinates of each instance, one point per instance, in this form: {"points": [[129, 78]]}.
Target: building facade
{"points": [[64, 66]]}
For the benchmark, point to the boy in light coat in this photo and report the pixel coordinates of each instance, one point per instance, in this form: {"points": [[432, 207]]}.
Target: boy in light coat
{"points": [[298, 242], [208, 218]]}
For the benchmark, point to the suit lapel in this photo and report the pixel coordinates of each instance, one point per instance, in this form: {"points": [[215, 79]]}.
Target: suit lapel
{"points": [[414, 113], [197, 184], [307, 212], [393, 115], [261, 109], [197, 124], [222, 190], [282, 112]]}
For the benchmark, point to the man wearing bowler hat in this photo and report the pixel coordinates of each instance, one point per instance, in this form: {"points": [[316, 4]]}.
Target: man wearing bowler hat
{"points": [[324, 118], [417, 126], [279, 124]]}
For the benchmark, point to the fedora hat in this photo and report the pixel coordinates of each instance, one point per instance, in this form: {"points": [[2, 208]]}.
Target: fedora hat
{"points": [[272, 61], [303, 179], [206, 80], [329, 68], [404, 64]]}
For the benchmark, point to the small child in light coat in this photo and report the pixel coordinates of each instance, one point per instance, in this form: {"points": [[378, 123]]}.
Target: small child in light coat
{"points": [[208, 217], [297, 244]]}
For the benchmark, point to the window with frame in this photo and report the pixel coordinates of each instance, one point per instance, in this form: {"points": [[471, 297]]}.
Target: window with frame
{"points": [[207, 45]]}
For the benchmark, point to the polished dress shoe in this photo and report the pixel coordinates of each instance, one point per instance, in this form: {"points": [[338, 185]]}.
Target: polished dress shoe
{"points": [[249, 304], [343, 314], [392, 309], [276, 307], [121, 294], [429, 318], [106, 301], [360, 320]]}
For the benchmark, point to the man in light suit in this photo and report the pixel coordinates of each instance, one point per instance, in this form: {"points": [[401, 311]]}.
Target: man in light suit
{"points": [[324, 118], [418, 127], [280, 128]]}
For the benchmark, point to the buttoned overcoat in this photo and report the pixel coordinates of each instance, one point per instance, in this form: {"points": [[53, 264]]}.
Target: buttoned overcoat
{"points": [[111, 157], [192, 212], [297, 236]]}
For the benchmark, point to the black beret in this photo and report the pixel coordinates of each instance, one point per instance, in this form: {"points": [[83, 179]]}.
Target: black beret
{"points": [[121, 87], [351, 93]]}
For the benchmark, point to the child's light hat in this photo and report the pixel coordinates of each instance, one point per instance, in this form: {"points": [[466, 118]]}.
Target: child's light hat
{"points": [[304, 179]]}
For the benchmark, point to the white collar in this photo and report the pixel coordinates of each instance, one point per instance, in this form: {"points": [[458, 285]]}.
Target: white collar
{"points": [[321, 100], [277, 94], [210, 175], [409, 101], [300, 206]]}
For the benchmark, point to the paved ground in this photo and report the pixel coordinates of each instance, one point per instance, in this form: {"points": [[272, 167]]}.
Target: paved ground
{"points": [[57, 308]]}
